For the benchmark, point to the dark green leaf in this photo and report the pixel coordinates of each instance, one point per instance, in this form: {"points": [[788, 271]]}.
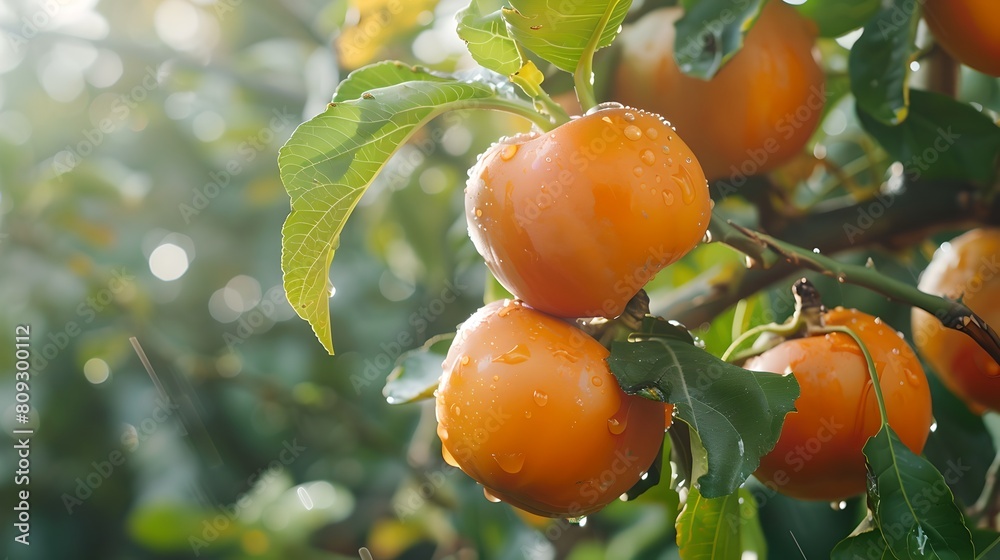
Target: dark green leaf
{"points": [[941, 139], [329, 162], [987, 544], [879, 62], [737, 413], [558, 31], [487, 39], [868, 545], [711, 32], [417, 371], [912, 504], [837, 17], [709, 528]]}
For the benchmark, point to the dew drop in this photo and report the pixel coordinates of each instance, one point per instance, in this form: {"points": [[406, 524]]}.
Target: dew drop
{"points": [[838, 506], [511, 463], [816, 250], [489, 496], [548, 159], [895, 351], [652, 133], [628, 117], [508, 152], [668, 197], [644, 475], [527, 414], [456, 410], [687, 160], [448, 457], [912, 377], [479, 213], [648, 157], [707, 238], [632, 132], [597, 381], [540, 398], [605, 105], [934, 426], [515, 355], [637, 171], [683, 180], [666, 149], [465, 360]]}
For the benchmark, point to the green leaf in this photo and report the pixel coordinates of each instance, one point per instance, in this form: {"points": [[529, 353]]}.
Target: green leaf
{"points": [[879, 62], [487, 39], [417, 371], [558, 31], [736, 413], [941, 139], [987, 543], [869, 545], [711, 32], [912, 504], [330, 161], [709, 528], [836, 17]]}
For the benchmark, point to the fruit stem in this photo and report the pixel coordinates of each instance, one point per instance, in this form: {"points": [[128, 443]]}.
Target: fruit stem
{"points": [[952, 314], [871, 366], [519, 108], [583, 78], [806, 317]]}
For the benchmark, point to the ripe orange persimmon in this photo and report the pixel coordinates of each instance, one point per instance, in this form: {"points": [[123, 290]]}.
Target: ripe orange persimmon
{"points": [[968, 29], [964, 268], [528, 408], [819, 453], [756, 113], [577, 220]]}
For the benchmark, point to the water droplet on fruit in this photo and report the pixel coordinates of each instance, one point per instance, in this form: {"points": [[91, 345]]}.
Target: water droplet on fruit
{"points": [[496, 378], [508, 152], [605, 105], [838, 506], [687, 160], [564, 354], [540, 398], [465, 360], [878, 320], [642, 186], [579, 401], [648, 157], [652, 133], [895, 351], [666, 149], [637, 171], [597, 381], [618, 422], [668, 197], [934, 426], [632, 132], [628, 117], [456, 410], [581, 521], [683, 180], [527, 414], [515, 355], [707, 238], [489, 496], [448, 457], [548, 159], [442, 432], [479, 213], [511, 463], [911, 376]]}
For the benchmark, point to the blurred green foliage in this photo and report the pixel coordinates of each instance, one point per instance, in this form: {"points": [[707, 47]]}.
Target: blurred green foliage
{"points": [[138, 143]]}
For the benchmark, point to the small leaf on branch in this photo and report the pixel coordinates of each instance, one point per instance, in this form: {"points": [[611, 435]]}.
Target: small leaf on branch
{"points": [[879, 62], [487, 39], [711, 32], [417, 371], [558, 31]]}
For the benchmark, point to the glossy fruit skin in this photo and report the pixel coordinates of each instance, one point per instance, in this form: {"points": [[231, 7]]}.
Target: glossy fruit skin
{"points": [[968, 29], [819, 453], [576, 221], [528, 408], [756, 113], [964, 268]]}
